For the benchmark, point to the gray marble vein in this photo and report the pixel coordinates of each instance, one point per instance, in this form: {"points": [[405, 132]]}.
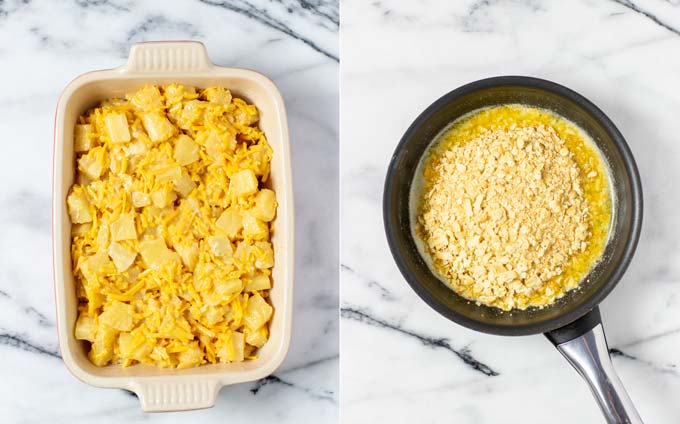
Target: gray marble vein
{"points": [[272, 379], [647, 14], [664, 368], [463, 354], [263, 16], [120, 6], [152, 23], [384, 292], [21, 341]]}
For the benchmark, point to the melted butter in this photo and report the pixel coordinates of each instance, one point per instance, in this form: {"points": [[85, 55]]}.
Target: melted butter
{"points": [[596, 190]]}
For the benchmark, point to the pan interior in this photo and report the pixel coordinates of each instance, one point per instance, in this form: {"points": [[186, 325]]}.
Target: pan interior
{"points": [[574, 303]]}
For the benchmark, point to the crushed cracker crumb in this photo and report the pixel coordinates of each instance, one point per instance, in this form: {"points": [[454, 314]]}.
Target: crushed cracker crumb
{"points": [[504, 212]]}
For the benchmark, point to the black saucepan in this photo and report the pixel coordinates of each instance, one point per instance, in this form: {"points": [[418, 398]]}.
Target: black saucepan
{"points": [[573, 322]]}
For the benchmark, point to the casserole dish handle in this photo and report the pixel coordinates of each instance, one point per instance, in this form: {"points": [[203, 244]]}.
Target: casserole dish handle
{"points": [[163, 395], [167, 56]]}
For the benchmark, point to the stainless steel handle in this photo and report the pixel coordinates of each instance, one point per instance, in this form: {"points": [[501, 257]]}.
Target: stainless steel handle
{"points": [[589, 355]]}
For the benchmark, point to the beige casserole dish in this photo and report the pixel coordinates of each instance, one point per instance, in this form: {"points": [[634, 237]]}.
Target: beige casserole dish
{"points": [[162, 63]]}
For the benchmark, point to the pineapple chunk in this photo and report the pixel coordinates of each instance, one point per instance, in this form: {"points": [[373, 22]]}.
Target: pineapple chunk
{"points": [[228, 287], [124, 228], [230, 140], [130, 275], [102, 348], [163, 197], [85, 327], [139, 136], [93, 266], [265, 205], [94, 162], [192, 114], [249, 351], [208, 296], [155, 253], [257, 312], [243, 251], [118, 315], [265, 255], [186, 151], [117, 127], [127, 344], [184, 185], [82, 179], [83, 138], [218, 95], [260, 156], [78, 230], [158, 127], [174, 93], [258, 282], [79, 208], [192, 357], [232, 349], [220, 246], [245, 114], [118, 161], [231, 222], [170, 173], [216, 146], [140, 199], [203, 276], [103, 237], [94, 296], [237, 345], [123, 257], [147, 99], [243, 183], [215, 314], [257, 337], [188, 252], [133, 345], [254, 228], [135, 148]]}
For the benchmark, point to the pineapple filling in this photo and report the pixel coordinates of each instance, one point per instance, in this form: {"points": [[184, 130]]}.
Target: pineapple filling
{"points": [[171, 228]]}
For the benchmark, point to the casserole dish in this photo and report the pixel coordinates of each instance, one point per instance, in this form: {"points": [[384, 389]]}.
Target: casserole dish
{"points": [[162, 63]]}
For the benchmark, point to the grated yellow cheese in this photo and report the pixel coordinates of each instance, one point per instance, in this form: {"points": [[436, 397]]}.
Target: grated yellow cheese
{"points": [[171, 238]]}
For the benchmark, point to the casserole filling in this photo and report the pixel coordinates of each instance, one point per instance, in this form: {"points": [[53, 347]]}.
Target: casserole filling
{"points": [[171, 217]]}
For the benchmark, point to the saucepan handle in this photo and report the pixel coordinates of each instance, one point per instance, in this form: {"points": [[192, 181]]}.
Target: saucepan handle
{"points": [[584, 345]]}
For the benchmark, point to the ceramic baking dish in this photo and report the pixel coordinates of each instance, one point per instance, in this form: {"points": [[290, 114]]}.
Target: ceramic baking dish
{"points": [[161, 63]]}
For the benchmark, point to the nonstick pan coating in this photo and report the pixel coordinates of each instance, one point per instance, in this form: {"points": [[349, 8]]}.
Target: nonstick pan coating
{"points": [[627, 205]]}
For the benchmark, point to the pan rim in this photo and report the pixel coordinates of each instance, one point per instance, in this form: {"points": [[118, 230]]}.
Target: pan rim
{"points": [[632, 175]]}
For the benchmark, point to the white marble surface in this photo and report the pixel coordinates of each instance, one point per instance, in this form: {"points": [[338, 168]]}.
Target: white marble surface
{"points": [[403, 363], [43, 45]]}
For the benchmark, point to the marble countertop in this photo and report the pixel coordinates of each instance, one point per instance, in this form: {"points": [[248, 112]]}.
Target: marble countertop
{"points": [[44, 45], [401, 362]]}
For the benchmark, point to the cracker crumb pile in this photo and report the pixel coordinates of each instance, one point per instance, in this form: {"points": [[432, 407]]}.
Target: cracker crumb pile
{"points": [[503, 213]]}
